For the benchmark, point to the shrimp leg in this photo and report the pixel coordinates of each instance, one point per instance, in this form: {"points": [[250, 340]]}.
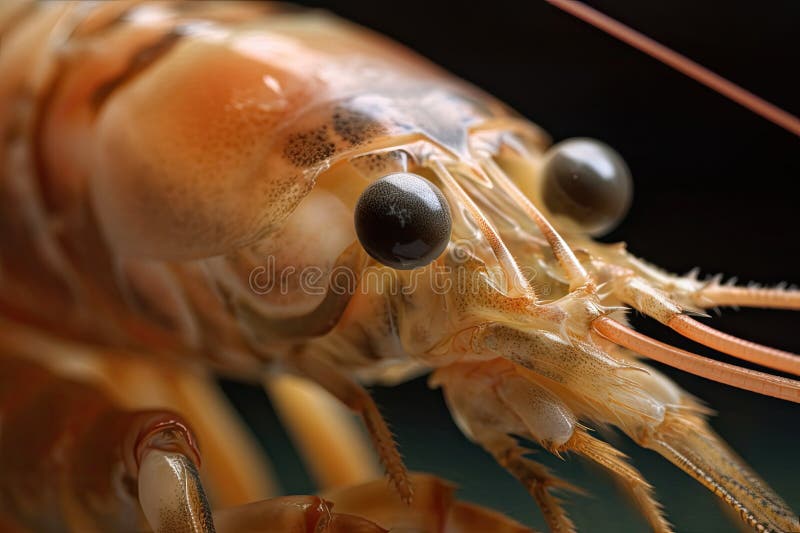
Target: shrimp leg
{"points": [[316, 420], [535, 477], [639, 490], [471, 394], [356, 398], [493, 400]]}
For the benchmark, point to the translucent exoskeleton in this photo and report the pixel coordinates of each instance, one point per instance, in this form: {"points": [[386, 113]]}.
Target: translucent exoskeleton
{"points": [[276, 195]]}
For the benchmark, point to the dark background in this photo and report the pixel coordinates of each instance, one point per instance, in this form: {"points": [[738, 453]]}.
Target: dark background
{"points": [[715, 188]]}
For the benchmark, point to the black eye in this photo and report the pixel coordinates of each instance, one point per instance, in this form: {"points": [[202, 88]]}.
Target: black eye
{"points": [[403, 221], [588, 182]]}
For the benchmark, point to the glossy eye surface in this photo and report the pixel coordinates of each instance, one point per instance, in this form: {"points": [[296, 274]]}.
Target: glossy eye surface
{"points": [[403, 221], [588, 182]]}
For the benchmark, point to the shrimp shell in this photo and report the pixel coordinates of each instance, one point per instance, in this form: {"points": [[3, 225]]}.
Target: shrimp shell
{"points": [[170, 172]]}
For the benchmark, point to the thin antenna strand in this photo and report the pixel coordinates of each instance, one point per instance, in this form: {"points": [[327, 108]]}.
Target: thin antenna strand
{"points": [[716, 295], [741, 348], [574, 270], [743, 378], [517, 281], [681, 63]]}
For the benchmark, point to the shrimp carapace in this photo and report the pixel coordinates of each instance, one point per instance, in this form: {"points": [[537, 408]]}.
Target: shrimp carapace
{"points": [[255, 190]]}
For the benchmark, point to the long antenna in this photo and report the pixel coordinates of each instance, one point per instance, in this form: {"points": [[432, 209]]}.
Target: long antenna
{"points": [[681, 63]]}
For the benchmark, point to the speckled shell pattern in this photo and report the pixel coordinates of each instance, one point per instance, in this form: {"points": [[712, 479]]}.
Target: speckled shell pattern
{"points": [[142, 144]]}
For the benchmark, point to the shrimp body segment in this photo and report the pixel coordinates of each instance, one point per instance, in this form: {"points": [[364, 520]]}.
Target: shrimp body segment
{"points": [[178, 180]]}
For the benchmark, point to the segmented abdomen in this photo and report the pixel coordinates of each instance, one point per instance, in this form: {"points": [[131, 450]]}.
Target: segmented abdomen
{"points": [[153, 154]]}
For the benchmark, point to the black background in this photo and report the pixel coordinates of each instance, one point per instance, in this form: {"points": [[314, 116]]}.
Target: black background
{"points": [[715, 187]]}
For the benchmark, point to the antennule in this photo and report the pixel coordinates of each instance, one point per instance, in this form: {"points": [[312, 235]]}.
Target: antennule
{"points": [[731, 345], [719, 295], [743, 378], [517, 280], [576, 274]]}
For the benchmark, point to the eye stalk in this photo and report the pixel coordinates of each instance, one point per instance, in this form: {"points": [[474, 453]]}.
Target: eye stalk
{"points": [[403, 221], [587, 182]]}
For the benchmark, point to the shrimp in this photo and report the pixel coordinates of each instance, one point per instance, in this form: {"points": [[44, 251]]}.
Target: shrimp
{"points": [[268, 194]]}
